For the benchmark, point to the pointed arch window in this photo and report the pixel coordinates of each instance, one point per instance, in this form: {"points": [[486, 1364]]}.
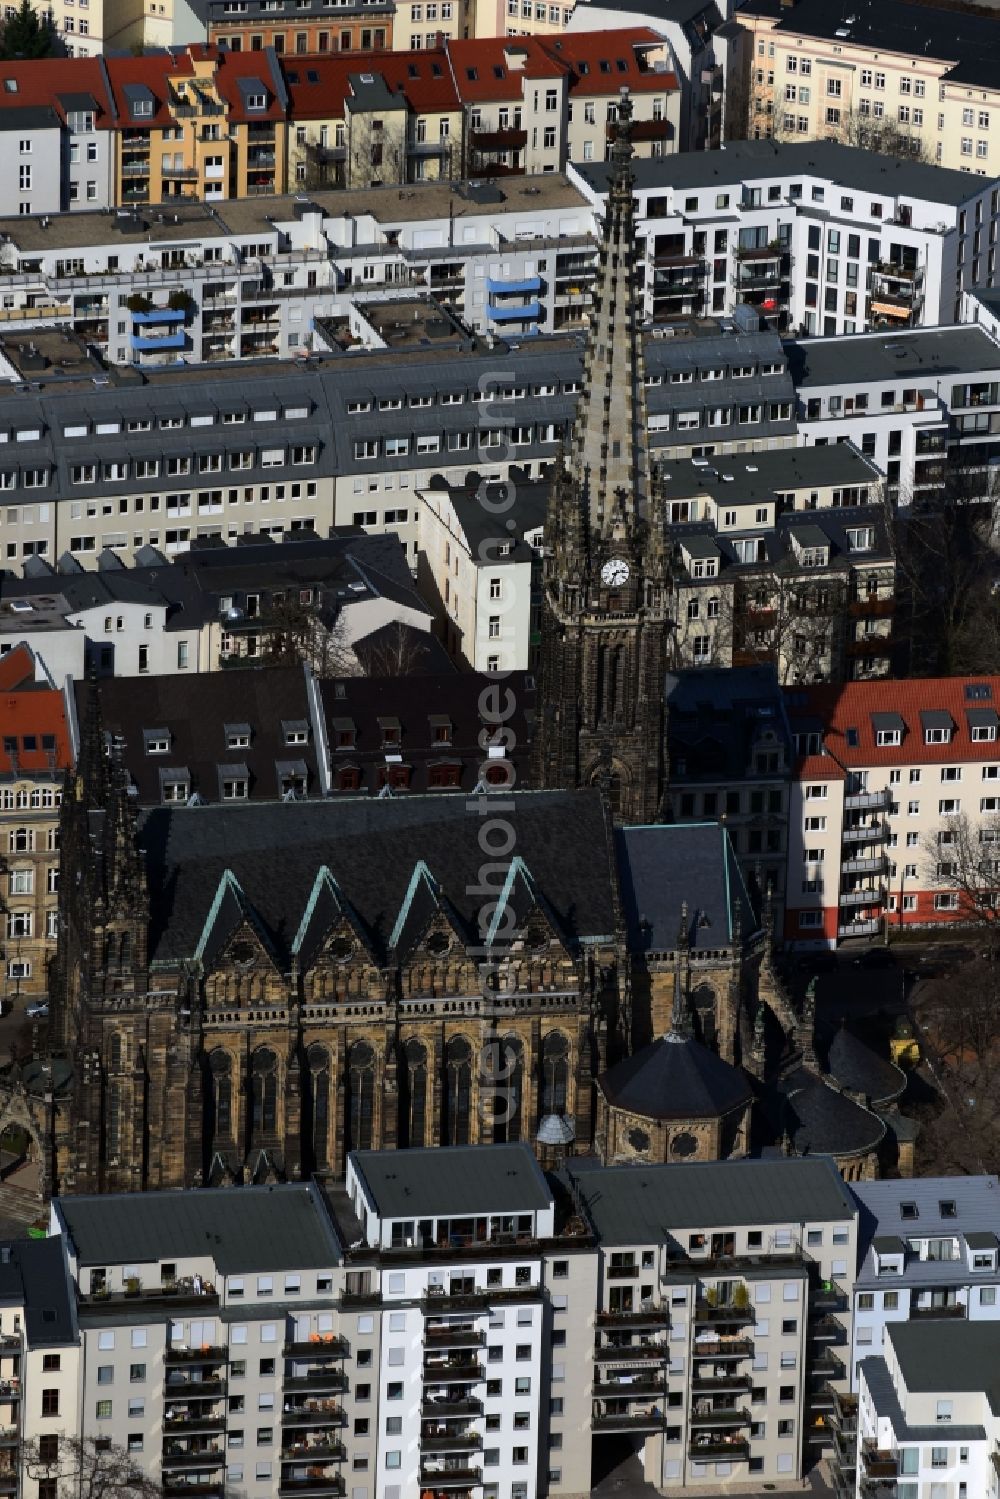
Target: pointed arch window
{"points": [[361, 1096], [113, 1120], [555, 1073], [115, 1052], [509, 1091], [263, 1093], [458, 1082], [220, 1067], [319, 1097], [415, 1056]]}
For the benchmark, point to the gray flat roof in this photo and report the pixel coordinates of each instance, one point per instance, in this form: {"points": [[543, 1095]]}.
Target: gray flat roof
{"points": [[846, 166], [870, 357], [886, 1401], [254, 1228], [468, 1179], [750, 476], [421, 200], [645, 1204], [959, 1356]]}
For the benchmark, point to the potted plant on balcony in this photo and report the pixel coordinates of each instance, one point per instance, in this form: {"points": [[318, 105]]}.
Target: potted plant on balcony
{"points": [[138, 302], [132, 1285], [741, 1298], [712, 1296]]}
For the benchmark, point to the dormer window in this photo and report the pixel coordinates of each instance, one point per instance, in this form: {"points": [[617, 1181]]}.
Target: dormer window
{"points": [[344, 733], [888, 736], [157, 741], [295, 731], [391, 732], [889, 728], [947, 1209], [237, 736], [937, 726], [908, 1211], [441, 729]]}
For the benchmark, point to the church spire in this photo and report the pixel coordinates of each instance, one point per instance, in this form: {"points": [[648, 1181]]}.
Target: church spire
{"points": [[608, 456]]}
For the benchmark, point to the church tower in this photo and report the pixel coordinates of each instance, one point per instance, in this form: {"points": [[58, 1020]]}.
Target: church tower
{"points": [[606, 593]]}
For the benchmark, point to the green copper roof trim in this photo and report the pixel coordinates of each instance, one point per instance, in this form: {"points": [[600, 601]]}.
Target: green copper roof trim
{"points": [[421, 873], [227, 884], [517, 866], [323, 877]]}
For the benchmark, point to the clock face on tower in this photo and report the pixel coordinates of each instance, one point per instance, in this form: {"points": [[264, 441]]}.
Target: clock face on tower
{"points": [[615, 572]]}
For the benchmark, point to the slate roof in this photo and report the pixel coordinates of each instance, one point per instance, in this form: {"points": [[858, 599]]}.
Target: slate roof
{"points": [[675, 1077], [753, 161], [33, 1276], [959, 1356], [422, 703], [716, 715], [471, 1179], [820, 1120], [970, 42], [695, 864], [645, 1204], [886, 1401], [371, 846], [976, 1203], [924, 353], [860, 1069], [195, 712], [257, 1228]]}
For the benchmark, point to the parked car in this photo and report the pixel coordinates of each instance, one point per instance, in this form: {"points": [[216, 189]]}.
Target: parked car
{"points": [[38, 1010]]}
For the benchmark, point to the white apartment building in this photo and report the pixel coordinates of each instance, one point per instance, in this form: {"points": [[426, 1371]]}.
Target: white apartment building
{"points": [[718, 1314], [821, 238], [889, 773], [478, 551], [928, 1255], [923, 404], [263, 277], [927, 1413]]}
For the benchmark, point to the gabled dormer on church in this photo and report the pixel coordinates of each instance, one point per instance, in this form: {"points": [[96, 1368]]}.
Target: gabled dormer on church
{"points": [[605, 612]]}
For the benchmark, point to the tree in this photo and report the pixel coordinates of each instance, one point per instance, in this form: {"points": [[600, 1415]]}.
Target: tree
{"points": [[25, 34], [795, 623], [298, 632], [400, 651], [947, 569], [88, 1468], [885, 136], [956, 1015], [963, 859]]}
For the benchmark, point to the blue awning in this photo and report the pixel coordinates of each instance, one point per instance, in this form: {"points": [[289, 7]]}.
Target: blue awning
{"points": [[512, 288], [526, 313], [165, 341], [160, 315]]}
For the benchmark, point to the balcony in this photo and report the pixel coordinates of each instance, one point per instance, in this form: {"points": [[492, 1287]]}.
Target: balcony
{"points": [[453, 1371], [186, 174], [878, 1462], [176, 1456], [149, 343], [453, 1337], [323, 1450], [524, 312], [866, 896], [868, 832], [716, 1348], [511, 139], [877, 865], [450, 1478], [317, 1413], [192, 1387], [202, 1425], [629, 1387], [317, 1382], [720, 1418], [706, 1311], [828, 1365], [828, 1330], [654, 1316], [955, 1310], [720, 1384], [705, 1452], [479, 1299], [860, 929], [458, 1441], [206, 1355], [211, 1490], [322, 1485], [652, 1419], [320, 1347], [462, 1405], [9, 1436], [863, 801], [636, 1353]]}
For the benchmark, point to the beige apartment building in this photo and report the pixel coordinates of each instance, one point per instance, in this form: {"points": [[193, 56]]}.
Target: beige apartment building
{"points": [[903, 78]]}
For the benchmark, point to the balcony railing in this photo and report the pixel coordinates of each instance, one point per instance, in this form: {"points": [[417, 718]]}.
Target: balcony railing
{"points": [[453, 1371], [723, 1348], [637, 1353], [957, 1309], [737, 1452], [648, 1317], [652, 1419], [315, 1413], [862, 801], [708, 1312], [320, 1347], [462, 1405]]}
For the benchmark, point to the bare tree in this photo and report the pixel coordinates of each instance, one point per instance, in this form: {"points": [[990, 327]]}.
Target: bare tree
{"points": [[297, 632], [963, 859], [399, 652], [886, 136], [790, 621], [956, 1015], [947, 569], [88, 1468]]}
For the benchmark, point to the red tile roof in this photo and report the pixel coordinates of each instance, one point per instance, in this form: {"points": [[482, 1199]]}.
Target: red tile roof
{"points": [[161, 72], [29, 710], [318, 86], [843, 714], [596, 59], [42, 82]]}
